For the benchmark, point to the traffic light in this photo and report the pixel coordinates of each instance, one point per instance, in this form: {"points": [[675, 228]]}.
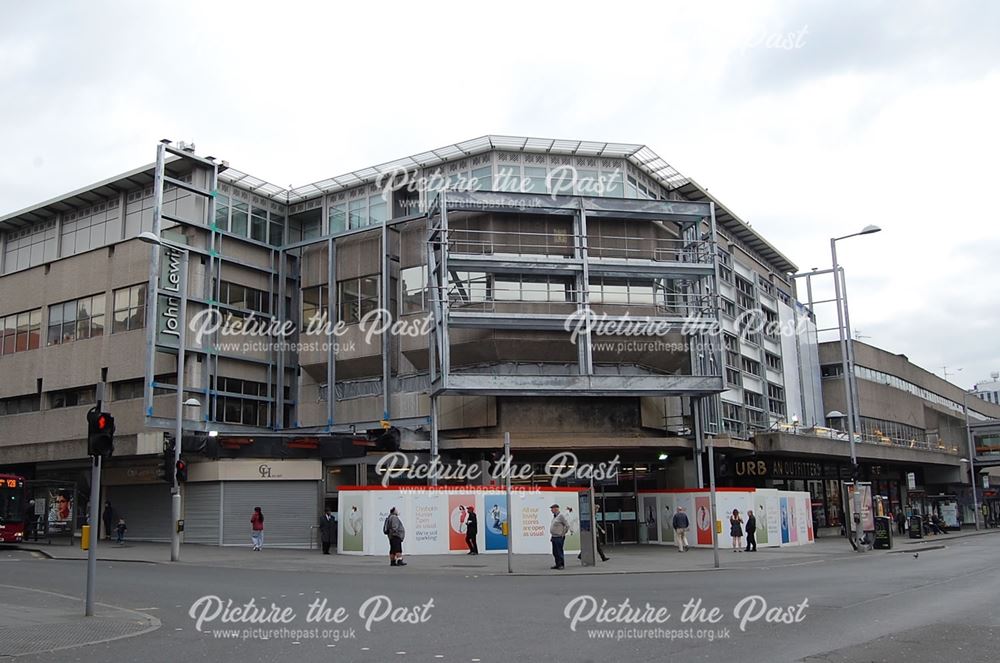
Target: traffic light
{"points": [[100, 433], [181, 471], [168, 460]]}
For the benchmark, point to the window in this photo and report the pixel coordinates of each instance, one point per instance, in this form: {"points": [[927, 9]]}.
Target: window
{"points": [[305, 225], [773, 361], [315, 304], [633, 292], [30, 247], [240, 219], [276, 232], [754, 400], [242, 402], [775, 399], [729, 307], [244, 297], [414, 292], [531, 288], [78, 319], [20, 332], [126, 389], [744, 286], [831, 370], [130, 308], [732, 377], [357, 297], [19, 404], [469, 288], [72, 397], [357, 214], [222, 213], [258, 224], [750, 366], [338, 218]]}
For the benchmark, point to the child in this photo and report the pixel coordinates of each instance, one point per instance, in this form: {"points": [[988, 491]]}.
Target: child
{"points": [[120, 530]]}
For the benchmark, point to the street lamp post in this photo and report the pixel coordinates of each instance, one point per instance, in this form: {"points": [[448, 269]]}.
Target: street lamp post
{"points": [[972, 459], [175, 489], [848, 370]]}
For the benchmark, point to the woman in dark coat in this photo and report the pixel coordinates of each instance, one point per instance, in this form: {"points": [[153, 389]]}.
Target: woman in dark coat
{"points": [[736, 530]]}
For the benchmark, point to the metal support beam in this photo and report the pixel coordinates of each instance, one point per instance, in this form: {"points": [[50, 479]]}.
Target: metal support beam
{"points": [[331, 319], [434, 437], [386, 298], [584, 341], [154, 278]]}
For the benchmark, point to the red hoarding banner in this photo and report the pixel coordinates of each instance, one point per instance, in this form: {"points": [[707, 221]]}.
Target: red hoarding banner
{"points": [[703, 520], [457, 515]]}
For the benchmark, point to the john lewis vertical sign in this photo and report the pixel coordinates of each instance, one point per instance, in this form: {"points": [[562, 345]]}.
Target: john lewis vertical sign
{"points": [[168, 305]]}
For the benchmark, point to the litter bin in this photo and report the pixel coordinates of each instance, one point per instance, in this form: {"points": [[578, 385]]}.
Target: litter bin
{"points": [[916, 527], [883, 533]]}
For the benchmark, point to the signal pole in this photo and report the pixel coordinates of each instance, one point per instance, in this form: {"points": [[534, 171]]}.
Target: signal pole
{"points": [[95, 516]]}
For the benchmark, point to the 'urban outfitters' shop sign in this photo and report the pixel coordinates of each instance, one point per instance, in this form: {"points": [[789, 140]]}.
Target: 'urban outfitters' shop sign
{"points": [[777, 468], [168, 303]]}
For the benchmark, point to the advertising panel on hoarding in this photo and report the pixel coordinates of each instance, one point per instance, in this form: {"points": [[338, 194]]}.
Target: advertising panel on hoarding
{"points": [[703, 520], [494, 519], [458, 516], [785, 536], [351, 522]]}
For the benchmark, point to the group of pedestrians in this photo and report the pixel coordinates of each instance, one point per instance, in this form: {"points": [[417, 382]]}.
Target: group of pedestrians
{"points": [[681, 524], [736, 531]]}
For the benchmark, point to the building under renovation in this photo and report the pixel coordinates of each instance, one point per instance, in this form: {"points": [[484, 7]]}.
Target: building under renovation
{"points": [[581, 296]]}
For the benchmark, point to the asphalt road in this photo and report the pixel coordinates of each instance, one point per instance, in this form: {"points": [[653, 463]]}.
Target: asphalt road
{"points": [[894, 607]]}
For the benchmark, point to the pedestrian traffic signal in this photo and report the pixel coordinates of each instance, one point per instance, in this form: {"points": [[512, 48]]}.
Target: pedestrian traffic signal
{"points": [[181, 471], [100, 433], [167, 464]]}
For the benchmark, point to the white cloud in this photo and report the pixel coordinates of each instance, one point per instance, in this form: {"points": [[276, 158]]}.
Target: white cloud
{"points": [[886, 114]]}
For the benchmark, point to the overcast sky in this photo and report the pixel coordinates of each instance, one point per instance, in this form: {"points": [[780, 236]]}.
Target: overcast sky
{"points": [[810, 120]]}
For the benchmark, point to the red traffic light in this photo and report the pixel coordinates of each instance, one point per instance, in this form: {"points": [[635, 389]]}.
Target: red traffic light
{"points": [[102, 422]]}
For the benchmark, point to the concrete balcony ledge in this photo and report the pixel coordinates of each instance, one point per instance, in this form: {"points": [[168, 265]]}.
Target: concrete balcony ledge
{"points": [[778, 442]]}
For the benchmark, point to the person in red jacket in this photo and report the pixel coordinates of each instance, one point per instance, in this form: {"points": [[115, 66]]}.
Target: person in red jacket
{"points": [[257, 528]]}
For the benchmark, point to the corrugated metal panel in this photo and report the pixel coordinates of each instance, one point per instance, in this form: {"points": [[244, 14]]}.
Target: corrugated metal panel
{"points": [[145, 508], [290, 509], [202, 503]]}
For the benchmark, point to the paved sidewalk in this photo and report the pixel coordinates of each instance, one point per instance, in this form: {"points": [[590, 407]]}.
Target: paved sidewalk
{"points": [[35, 622], [624, 558]]}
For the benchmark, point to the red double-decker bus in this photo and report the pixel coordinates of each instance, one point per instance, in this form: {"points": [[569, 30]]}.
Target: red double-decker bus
{"points": [[12, 506]]}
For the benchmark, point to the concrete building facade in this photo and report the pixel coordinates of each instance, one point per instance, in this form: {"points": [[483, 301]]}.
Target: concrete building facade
{"points": [[486, 254]]}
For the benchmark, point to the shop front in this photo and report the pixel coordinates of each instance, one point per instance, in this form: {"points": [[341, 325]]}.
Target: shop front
{"points": [[139, 496], [220, 496], [820, 478]]}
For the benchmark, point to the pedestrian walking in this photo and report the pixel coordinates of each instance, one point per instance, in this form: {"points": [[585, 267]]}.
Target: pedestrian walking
{"points": [[680, 524], [393, 528], [120, 532], [31, 522], [471, 530], [558, 530], [900, 522], [327, 530], [108, 516], [751, 532], [736, 530], [257, 529]]}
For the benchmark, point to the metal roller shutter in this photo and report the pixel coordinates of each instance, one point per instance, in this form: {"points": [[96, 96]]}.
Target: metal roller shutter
{"points": [[145, 508], [202, 511], [290, 509]]}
